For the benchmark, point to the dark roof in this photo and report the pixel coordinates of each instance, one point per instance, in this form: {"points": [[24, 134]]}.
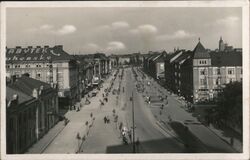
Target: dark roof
{"points": [[183, 56], [171, 55], [155, 54], [200, 52], [226, 58], [159, 58], [22, 97], [41, 54], [27, 85], [102, 56]]}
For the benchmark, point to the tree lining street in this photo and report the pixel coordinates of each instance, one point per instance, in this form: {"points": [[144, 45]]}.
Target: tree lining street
{"points": [[153, 131]]}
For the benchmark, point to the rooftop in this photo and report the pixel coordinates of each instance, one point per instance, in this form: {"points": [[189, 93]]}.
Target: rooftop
{"points": [[26, 85], [37, 53], [226, 58], [22, 97], [200, 52]]}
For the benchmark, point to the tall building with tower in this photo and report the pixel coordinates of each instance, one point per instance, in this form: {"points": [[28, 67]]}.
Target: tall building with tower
{"points": [[221, 45], [201, 74]]}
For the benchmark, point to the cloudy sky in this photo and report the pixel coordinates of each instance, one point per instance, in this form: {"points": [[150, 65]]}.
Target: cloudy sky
{"points": [[123, 30]]}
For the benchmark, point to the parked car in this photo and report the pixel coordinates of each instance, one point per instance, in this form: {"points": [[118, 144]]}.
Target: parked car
{"points": [[94, 93]]}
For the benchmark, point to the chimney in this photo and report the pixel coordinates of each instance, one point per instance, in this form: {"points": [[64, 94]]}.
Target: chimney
{"points": [[35, 93], [60, 47], [13, 101], [52, 85], [18, 47], [29, 46], [13, 78], [26, 75], [46, 46], [41, 89], [15, 97], [38, 46]]}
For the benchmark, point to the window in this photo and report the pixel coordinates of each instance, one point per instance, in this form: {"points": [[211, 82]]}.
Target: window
{"points": [[18, 74], [60, 80], [8, 66], [217, 81], [202, 81], [162, 66], [38, 75], [230, 71], [218, 71], [202, 72], [203, 62]]}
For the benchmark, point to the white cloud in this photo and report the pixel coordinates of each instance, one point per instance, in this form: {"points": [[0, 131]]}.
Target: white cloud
{"points": [[66, 29], [46, 27], [228, 20], [50, 29], [114, 26], [91, 48], [180, 34], [120, 24], [145, 29], [115, 46]]}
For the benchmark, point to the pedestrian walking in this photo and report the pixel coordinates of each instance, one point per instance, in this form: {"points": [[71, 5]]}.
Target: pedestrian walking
{"points": [[105, 119], [108, 120], [130, 135], [232, 141], [120, 126], [137, 143]]}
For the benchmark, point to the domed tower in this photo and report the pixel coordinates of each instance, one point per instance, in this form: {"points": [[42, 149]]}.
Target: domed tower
{"points": [[221, 45]]}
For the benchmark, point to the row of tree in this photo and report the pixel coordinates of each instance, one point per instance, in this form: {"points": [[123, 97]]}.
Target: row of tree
{"points": [[229, 110]]}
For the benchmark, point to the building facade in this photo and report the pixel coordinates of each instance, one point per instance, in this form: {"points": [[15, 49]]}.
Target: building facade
{"points": [[32, 110], [154, 64], [47, 64], [199, 75]]}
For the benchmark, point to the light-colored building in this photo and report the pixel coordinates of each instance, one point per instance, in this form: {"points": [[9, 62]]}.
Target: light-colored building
{"points": [[47, 64], [199, 75], [211, 71]]}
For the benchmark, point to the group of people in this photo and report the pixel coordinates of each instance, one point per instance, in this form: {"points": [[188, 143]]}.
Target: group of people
{"points": [[74, 107], [106, 120]]}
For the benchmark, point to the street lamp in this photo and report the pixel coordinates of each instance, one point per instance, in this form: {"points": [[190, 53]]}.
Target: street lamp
{"points": [[133, 121]]}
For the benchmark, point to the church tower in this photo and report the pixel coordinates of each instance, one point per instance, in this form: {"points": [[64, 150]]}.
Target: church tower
{"points": [[221, 45]]}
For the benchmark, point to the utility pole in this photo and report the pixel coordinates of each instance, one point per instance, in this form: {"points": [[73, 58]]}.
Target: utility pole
{"points": [[133, 121]]}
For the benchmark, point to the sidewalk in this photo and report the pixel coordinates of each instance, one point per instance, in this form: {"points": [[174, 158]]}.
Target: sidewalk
{"points": [[197, 129], [61, 138], [41, 145]]}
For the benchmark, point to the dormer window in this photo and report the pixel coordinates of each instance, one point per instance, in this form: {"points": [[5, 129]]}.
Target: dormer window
{"points": [[203, 62]]}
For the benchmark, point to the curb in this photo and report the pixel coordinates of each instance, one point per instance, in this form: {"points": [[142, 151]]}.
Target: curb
{"points": [[170, 133], [223, 139], [43, 149]]}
